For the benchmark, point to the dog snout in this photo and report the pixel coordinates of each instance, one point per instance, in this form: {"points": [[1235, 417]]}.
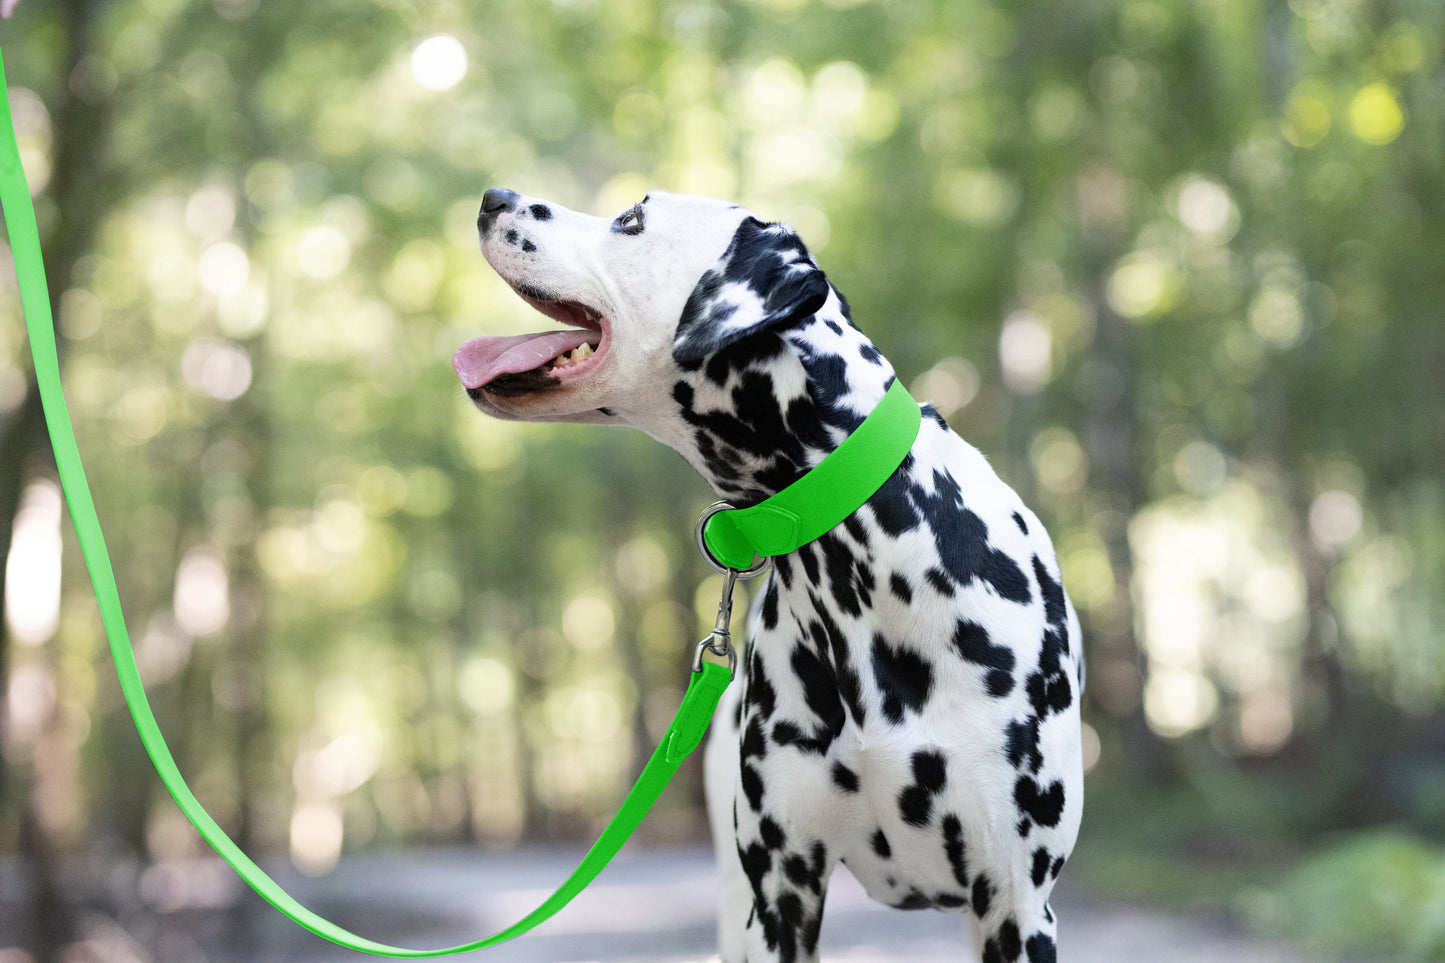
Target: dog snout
{"points": [[494, 202]]}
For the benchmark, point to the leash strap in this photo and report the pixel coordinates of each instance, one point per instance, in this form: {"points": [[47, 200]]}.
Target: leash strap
{"points": [[704, 689], [819, 501]]}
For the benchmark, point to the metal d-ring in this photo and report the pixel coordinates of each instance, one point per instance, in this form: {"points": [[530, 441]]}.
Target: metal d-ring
{"points": [[759, 565]]}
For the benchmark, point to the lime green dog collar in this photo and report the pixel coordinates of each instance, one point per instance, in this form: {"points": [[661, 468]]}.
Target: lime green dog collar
{"points": [[819, 501]]}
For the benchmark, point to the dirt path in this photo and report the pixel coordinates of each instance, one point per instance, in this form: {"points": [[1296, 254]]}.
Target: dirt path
{"points": [[657, 907]]}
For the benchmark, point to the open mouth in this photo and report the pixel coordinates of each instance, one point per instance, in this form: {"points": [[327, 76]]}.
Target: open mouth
{"points": [[525, 363]]}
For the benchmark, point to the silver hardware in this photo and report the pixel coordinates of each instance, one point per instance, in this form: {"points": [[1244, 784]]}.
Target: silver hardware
{"points": [[757, 568], [721, 648], [719, 640]]}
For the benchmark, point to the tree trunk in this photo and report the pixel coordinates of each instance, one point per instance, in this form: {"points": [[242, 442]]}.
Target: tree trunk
{"points": [[1111, 432]]}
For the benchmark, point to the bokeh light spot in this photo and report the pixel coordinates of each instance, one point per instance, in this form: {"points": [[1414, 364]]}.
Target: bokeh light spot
{"points": [[439, 63]]}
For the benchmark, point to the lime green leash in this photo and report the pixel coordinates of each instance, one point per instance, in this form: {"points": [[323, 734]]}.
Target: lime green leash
{"points": [[682, 737], [730, 537]]}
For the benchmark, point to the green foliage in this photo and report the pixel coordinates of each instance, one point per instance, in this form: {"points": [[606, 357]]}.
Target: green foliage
{"points": [[1380, 893]]}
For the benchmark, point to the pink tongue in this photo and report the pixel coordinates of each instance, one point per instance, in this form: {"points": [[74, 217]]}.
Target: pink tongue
{"points": [[482, 359]]}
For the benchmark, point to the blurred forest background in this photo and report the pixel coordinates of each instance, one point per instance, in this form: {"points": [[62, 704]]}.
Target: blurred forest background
{"points": [[1169, 263]]}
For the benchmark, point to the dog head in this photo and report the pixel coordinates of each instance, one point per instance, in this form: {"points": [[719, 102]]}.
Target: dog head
{"points": [[684, 317]]}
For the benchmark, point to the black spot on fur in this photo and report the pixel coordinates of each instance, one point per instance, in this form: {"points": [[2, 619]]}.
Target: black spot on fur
{"points": [[529, 247], [719, 368], [1005, 945], [844, 778], [892, 507], [541, 212], [830, 642], [1041, 949], [880, 845], [982, 895], [770, 605], [915, 900], [829, 382], [756, 860], [1043, 806], [752, 784], [796, 869], [904, 679], [805, 424], [962, 541], [772, 834], [511, 236], [1022, 744], [865, 584], [783, 568], [759, 693], [789, 734], [838, 561], [1053, 593], [940, 581], [1040, 872], [1048, 687], [900, 588], [1019, 521], [820, 692], [810, 563], [753, 745], [954, 849], [915, 802], [972, 642], [808, 873]]}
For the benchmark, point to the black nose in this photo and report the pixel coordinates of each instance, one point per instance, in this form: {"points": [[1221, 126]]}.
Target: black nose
{"points": [[494, 202]]}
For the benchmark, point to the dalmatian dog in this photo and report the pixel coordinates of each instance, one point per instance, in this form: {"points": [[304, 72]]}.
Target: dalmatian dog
{"points": [[910, 704]]}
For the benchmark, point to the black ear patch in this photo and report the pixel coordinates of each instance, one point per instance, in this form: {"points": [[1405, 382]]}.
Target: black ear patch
{"points": [[765, 279]]}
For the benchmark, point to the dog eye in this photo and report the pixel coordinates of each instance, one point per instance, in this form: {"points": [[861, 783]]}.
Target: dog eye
{"points": [[629, 221]]}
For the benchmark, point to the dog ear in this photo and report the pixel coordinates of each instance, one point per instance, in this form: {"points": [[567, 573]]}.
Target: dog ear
{"points": [[765, 279]]}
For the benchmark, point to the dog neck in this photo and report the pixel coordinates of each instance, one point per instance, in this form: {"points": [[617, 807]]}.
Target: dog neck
{"points": [[760, 413]]}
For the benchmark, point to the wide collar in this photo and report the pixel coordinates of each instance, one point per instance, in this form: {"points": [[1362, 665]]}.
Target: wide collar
{"points": [[818, 501]]}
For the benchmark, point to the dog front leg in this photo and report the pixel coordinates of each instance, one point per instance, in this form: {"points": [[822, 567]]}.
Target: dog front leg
{"points": [[789, 882]]}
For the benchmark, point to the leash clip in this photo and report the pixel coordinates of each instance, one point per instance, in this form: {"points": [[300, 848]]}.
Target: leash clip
{"points": [[719, 641]]}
